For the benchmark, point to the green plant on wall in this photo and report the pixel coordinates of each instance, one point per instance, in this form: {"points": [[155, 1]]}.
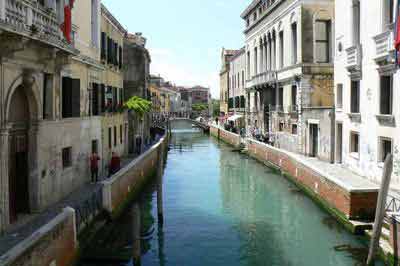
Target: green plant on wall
{"points": [[139, 105], [199, 107]]}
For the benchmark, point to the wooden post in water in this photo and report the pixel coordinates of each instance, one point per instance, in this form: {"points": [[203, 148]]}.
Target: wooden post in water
{"points": [[160, 168], [380, 209], [136, 249]]}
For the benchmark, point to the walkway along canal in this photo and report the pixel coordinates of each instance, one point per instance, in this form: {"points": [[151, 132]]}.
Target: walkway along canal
{"points": [[222, 208]]}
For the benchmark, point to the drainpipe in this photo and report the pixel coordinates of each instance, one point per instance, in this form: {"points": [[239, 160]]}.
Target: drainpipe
{"points": [[332, 115]]}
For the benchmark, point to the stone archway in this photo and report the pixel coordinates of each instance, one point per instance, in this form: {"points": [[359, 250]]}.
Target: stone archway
{"points": [[20, 168]]}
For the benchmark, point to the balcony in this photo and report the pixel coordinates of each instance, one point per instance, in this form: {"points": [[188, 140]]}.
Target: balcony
{"points": [[384, 48], [27, 18], [353, 58], [261, 79]]}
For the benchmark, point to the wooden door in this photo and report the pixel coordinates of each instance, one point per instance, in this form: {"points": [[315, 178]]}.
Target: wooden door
{"points": [[18, 175]]}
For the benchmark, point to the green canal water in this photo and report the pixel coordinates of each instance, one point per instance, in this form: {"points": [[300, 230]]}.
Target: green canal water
{"points": [[224, 208]]}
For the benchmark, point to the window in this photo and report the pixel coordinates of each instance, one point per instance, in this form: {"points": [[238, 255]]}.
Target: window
{"points": [[95, 99], [281, 50], [247, 22], [103, 46], [255, 16], [281, 126], [120, 133], [109, 138], [115, 136], [339, 96], [386, 95], [255, 61], [243, 78], [355, 97], [67, 157], [95, 146], [294, 43], [294, 97], [322, 41], [120, 57], [248, 65], [103, 97], [294, 129], [385, 148], [71, 97], [280, 99], [47, 96], [354, 142]]}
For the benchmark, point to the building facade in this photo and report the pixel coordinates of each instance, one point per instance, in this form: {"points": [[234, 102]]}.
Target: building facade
{"points": [[367, 113], [289, 73], [237, 69], [47, 127], [114, 119], [136, 83], [225, 84]]}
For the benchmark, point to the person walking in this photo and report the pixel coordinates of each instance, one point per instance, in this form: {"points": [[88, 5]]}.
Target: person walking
{"points": [[115, 163], [94, 167]]}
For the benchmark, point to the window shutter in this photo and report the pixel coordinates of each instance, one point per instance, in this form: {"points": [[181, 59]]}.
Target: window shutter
{"points": [[76, 98], [120, 57], [115, 54], [103, 45], [109, 50], [66, 97], [103, 98], [95, 99]]}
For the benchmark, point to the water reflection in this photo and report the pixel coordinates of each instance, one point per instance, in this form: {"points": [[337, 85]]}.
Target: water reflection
{"points": [[213, 206]]}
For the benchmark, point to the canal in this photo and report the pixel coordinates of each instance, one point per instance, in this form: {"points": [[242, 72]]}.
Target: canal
{"points": [[224, 208]]}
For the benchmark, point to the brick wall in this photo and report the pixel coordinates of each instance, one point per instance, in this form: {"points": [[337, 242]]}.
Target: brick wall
{"points": [[353, 204], [53, 244], [224, 135]]}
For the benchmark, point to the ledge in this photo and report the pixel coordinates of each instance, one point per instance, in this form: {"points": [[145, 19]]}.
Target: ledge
{"points": [[355, 117], [386, 120]]}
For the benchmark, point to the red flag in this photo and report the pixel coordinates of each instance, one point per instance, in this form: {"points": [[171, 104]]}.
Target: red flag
{"points": [[67, 25], [397, 35]]}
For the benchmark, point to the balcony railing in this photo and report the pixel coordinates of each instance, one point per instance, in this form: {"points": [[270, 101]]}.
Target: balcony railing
{"points": [[29, 18], [384, 47], [353, 58], [261, 79]]}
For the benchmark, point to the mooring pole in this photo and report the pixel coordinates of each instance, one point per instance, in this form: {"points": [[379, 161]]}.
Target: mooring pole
{"points": [[160, 169], [136, 234], [380, 209]]}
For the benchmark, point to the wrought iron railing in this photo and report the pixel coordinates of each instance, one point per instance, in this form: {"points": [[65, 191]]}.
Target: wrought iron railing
{"points": [[86, 210]]}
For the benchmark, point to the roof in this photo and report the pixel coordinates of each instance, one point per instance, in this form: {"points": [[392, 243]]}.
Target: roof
{"points": [[253, 5], [238, 53], [112, 19]]}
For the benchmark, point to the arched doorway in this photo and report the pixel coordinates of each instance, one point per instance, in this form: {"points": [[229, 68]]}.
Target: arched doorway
{"points": [[19, 122]]}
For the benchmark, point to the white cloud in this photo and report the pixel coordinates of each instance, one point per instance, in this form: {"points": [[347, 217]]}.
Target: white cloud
{"points": [[163, 63]]}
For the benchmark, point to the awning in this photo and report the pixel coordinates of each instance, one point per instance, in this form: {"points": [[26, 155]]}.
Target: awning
{"points": [[235, 117]]}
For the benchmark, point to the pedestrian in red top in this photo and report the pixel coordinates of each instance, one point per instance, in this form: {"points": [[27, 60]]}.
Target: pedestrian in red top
{"points": [[115, 163], [94, 166]]}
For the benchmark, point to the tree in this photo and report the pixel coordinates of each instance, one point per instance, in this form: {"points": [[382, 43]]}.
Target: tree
{"points": [[216, 106], [199, 107], [139, 105]]}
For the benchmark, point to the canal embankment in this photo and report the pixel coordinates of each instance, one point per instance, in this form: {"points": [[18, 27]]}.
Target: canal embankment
{"points": [[56, 236]]}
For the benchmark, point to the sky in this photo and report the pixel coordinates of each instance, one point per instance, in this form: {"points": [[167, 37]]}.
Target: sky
{"points": [[185, 38]]}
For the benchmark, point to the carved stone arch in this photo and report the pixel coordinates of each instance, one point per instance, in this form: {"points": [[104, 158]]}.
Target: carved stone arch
{"points": [[322, 14], [28, 82]]}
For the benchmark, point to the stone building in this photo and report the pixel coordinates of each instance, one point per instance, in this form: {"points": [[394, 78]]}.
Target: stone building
{"points": [[114, 120], [136, 83], [226, 55], [366, 78], [47, 126], [289, 73], [237, 68]]}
